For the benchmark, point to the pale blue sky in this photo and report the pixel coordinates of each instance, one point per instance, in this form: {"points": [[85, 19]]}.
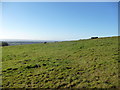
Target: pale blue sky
{"points": [[58, 21]]}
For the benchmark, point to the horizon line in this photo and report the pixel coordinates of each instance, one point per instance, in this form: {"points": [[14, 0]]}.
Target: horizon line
{"points": [[60, 40]]}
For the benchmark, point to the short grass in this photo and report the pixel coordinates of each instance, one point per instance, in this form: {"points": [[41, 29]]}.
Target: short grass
{"points": [[91, 63]]}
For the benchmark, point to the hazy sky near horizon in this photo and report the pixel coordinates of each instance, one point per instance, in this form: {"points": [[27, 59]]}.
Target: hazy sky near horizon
{"points": [[58, 20]]}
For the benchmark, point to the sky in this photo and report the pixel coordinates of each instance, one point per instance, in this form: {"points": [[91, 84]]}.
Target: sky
{"points": [[58, 20]]}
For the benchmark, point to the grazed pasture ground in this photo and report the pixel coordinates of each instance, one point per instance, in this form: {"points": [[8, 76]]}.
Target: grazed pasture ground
{"points": [[91, 63]]}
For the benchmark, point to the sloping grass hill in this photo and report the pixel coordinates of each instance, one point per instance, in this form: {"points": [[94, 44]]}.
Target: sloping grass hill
{"points": [[91, 63]]}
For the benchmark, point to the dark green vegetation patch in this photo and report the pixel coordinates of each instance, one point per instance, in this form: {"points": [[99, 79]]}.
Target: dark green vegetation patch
{"points": [[91, 63]]}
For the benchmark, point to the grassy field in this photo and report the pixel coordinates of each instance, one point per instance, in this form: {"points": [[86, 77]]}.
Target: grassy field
{"points": [[91, 63]]}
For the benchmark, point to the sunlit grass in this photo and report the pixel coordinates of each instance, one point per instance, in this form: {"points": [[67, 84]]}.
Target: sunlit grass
{"points": [[72, 64]]}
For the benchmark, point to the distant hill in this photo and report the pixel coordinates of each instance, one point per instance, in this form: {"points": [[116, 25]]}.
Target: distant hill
{"points": [[21, 42], [90, 63]]}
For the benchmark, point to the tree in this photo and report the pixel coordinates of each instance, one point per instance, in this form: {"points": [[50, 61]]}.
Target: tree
{"points": [[45, 42], [94, 37], [4, 44]]}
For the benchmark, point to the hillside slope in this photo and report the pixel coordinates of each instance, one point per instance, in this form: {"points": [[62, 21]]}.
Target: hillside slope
{"points": [[72, 64]]}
